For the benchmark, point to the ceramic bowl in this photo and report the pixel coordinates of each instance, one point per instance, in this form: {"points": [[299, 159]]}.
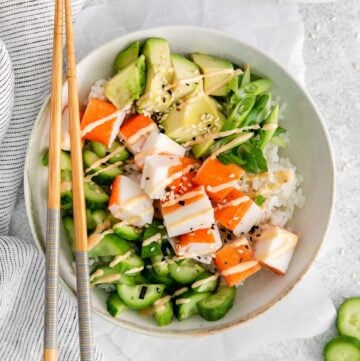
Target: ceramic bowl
{"points": [[309, 150]]}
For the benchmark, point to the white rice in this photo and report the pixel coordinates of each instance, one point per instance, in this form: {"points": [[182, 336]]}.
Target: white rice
{"points": [[97, 90], [280, 200]]}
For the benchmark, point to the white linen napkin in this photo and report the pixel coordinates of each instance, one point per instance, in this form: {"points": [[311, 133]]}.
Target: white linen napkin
{"points": [[278, 29]]}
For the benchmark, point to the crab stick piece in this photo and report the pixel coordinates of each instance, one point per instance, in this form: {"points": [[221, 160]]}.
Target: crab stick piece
{"points": [[188, 212], [238, 212], [189, 170], [201, 242], [274, 248], [129, 203], [135, 130], [235, 261], [106, 132], [158, 173], [218, 178], [158, 143]]}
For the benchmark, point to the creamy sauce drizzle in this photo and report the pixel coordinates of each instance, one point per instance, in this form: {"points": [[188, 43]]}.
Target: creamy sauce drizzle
{"points": [[134, 270], [234, 202], [165, 182], [180, 291], [190, 217], [242, 267], [95, 238], [214, 135], [270, 126], [182, 301], [107, 279], [155, 238], [159, 305], [140, 133], [231, 145], [183, 197], [205, 280], [220, 187], [240, 242], [223, 82], [105, 159], [132, 201], [286, 246], [111, 166], [141, 155], [96, 274], [120, 258]]}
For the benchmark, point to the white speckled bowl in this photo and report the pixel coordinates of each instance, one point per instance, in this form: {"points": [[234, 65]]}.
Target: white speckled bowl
{"points": [[309, 150]]}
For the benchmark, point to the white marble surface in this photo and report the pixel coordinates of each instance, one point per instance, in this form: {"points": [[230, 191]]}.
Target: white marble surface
{"points": [[332, 58]]}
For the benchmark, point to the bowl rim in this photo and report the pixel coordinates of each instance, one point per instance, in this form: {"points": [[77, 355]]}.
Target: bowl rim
{"points": [[213, 329]]}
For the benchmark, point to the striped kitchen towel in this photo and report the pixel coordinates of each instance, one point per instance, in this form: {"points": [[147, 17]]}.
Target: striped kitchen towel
{"points": [[25, 69]]}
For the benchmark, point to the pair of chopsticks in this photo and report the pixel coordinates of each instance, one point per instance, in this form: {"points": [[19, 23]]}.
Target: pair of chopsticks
{"points": [[54, 184]]}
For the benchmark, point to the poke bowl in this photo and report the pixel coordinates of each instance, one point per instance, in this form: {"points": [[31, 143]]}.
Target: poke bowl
{"points": [[209, 181]]}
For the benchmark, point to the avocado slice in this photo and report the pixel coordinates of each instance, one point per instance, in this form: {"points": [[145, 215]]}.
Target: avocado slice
{"points": [[159, 74], [209, 64], [185, 69], [192, 120], [128, 84], [126, 56]]}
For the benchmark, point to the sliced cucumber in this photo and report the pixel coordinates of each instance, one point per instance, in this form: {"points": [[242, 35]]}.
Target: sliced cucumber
{"points": [[216, 306], [348, 319], [65, 160], [164, 314], [150, 250], [188, 304], [98, 148], [342, 348], [90, 222], [128, 232], [95, 196], [185, 272], [126, 56], [99, 216], [68, 223], [114, 305], [209, 286], [140, 296], [121, 156], [131, 266], [109, 276], [89, 158], [110, 245], [153, 277], [106, 177], [160, 266]]}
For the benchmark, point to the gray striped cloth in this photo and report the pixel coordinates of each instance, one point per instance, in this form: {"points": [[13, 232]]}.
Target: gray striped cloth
{"points": [[25, 68]]}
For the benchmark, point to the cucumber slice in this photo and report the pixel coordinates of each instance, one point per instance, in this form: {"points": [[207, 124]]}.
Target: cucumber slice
{"points": [[342, 348], [114, 305], [98, 148], [90, 222], [95, 197], [160, 266], [121, 156], [189, 307], [216, 306], [99, 216], [131, 266], [348, 319], [150, 250], [126, 56], [68, 223], [154, 248], [89, 158], [128, 232], [109, 276], [153, 277], [140, 296], [110, 245], [209, 286], [164, 314], [106, 177], [185, 272], [65, 160]]}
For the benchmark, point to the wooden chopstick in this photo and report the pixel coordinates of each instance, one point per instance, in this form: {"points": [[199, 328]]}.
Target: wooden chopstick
{"points": [[54, 185], [82, 269]]}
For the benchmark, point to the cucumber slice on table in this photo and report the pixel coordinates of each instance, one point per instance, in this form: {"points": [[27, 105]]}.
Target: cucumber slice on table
{"points": [[110, 245], [186, 304], [216, 306], [209, 286], [114, 305], [95, 196], [164, 313], [348, 319], [185, 271], [342, 348], [140, 296], [128, 232]]}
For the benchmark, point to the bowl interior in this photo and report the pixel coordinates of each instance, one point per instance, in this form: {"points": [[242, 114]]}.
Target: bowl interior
{"points": [[309, 150]]}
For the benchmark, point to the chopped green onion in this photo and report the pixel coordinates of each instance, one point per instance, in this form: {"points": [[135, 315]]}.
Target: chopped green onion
{"points": [[259, 200]]}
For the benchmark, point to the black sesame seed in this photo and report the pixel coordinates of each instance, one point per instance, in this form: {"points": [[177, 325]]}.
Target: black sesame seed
{"points": [[147, 178], [143, 292], [193, 138], [158, 290], [164, 99], [170, 92], [167, 189], [228, 236], [181, 203], [162, 130]]}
